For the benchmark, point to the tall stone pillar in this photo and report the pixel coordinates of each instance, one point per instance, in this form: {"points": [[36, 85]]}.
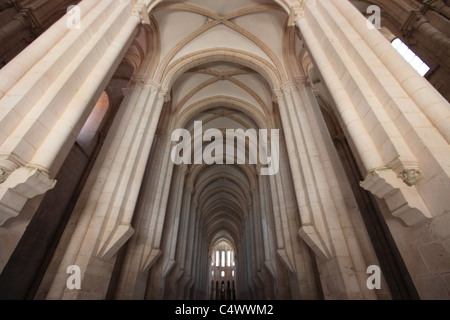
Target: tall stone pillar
{"points": [[46, 95], [101, 222], [324, 213], [48, 91], [194, 246], [145, 249], [168, 258], [180, 256], [267, 228], [397, 122], [396, 119]]}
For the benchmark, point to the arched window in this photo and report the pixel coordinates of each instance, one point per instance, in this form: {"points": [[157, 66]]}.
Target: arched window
{"points": [[217, 258], [87, 136], [232, 258], [421, 67], [228, 258], [223, 258]]}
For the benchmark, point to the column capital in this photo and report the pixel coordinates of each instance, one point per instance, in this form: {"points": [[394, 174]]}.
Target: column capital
{"points": [[8, 164], [288, 85], [141, 11], [415, 19], [183, 168], [23, 18], [166, 94], [138, 79], [302, 80], [277, 95], [297, 12]]}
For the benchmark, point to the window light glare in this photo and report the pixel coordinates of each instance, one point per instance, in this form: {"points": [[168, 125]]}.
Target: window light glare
{"points": [[417, 63]]}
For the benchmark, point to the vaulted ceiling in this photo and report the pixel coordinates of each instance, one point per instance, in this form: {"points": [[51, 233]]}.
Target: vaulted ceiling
{"points": [[220, 62], [222, 91]]}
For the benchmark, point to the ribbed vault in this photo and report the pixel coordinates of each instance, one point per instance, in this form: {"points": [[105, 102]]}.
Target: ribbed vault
{"points": [[343, 118]]}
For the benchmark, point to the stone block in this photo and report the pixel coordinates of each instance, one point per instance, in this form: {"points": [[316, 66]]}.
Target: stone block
{"points": [[436, 257]]}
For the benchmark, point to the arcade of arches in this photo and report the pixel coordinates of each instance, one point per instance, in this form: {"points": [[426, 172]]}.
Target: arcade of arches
{"points": [[87, 179]]}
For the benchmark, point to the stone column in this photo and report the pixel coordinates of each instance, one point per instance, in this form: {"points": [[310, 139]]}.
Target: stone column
{"points": [[396, 119], [397, 122], [319, 198], [178, 269], [192, 240], [171, 247], [268, 238], [303, 159], [199, 270], [101, 222], [294, 277], [145, 250], [249, 231], [257, 237], [48, 91], [189, 217]]}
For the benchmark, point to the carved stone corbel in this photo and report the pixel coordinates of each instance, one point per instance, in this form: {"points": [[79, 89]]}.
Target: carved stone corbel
{"points": [[403, 200], [19, 186], [3, 175], [410, 176], [408, 171], [7, 165]]}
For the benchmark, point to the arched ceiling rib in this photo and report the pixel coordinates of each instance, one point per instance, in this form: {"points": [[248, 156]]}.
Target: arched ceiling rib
{"points": [[187, 27]]}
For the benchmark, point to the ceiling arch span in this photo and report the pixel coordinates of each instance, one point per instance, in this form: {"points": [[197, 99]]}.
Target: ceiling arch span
{"points": [[215, 196], [285, 5], [222, 237], [211, 177], [223, 227], [223, 219], [190, 61], [218, 19], [216, 77], [219, 184], [200, 175], [189, 113]]}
